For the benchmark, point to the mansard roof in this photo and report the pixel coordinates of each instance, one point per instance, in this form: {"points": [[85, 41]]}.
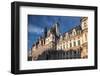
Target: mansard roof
{"points": [[77, 28]]}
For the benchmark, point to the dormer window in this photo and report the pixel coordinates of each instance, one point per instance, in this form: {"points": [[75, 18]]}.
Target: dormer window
{"points": [[66, 35], [74, 32], [61, 37]]}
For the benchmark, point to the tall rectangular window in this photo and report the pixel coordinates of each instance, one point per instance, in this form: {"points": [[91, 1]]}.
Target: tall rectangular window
{"points": [[74, 43], [66, 45], [70, 44], [78, 42], [85, 37]]}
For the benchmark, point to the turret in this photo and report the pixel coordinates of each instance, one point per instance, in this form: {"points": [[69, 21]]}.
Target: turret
{"points": [[84, 24]]}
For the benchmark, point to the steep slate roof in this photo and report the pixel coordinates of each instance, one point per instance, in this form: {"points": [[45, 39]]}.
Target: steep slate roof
{"points": [[77, 28], [53, 31]]}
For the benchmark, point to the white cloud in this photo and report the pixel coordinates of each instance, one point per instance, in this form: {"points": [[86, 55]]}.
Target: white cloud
{"points": [[35, 29]]}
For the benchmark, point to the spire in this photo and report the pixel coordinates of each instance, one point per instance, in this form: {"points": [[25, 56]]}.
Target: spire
{"points": [[57, 28], [45, 32]]}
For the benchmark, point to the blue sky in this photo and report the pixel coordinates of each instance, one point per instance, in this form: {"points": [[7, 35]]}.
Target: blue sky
{"points": [[36, 24]]}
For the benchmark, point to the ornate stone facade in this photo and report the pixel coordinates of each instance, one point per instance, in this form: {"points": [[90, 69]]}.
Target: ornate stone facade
{"points": [[73, 43]]}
